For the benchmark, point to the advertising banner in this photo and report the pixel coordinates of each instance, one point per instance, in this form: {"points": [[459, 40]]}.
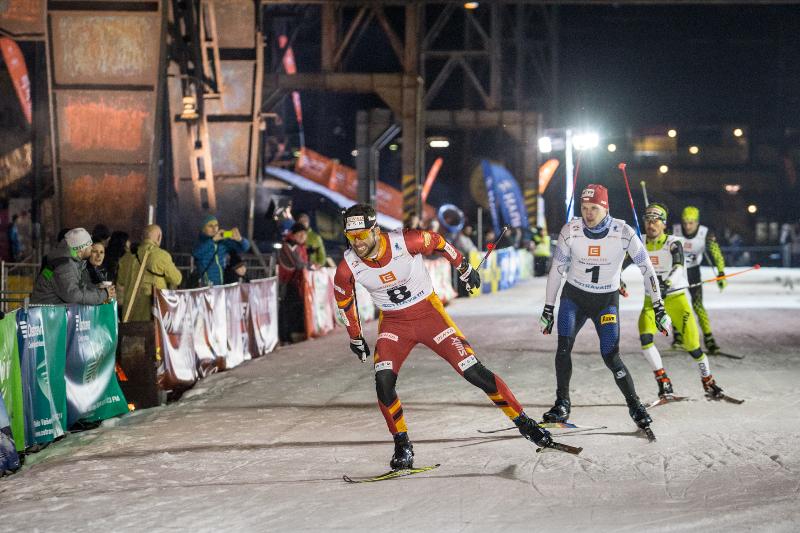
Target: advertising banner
{"points": [[10, 380], [93, 392], [263, 304], [42, 347], [175, 332], [210, 328], [9, 459], [236, 314], [320, 305]]}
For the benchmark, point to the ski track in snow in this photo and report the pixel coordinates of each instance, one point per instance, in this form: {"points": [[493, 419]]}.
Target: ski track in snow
{"points": [[264, 446]]}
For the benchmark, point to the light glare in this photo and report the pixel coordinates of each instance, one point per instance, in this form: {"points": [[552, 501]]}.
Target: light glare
{"points": [[738, 132], [672, 133], [612, 147], [752, 209], [586, 141], [694, 150], [545, 145], [663, 169]]}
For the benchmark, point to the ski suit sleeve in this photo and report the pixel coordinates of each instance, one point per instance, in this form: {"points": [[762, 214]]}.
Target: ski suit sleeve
{"points": [[428, 243], [344, 286], [633, 245], [676, 249], [713, 249], [562, 258]]}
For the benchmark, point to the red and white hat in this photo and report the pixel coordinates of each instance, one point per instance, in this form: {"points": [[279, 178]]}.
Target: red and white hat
{"points": [[595, 194]]}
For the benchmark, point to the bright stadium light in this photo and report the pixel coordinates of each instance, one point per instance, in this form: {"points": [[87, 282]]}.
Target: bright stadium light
{"points": [[738, 132], [663, 169], [471, 5], [612, 147], [545, 145], [694, 150], [585, 141], [672, 133], [752, 209], [732, 188], [438, 142]]}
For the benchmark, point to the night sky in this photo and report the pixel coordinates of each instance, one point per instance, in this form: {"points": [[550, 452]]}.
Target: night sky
{"points": [[623, 70]]}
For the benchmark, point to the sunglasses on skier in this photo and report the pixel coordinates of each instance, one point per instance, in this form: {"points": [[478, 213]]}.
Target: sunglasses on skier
{"points": [[360, 235]]}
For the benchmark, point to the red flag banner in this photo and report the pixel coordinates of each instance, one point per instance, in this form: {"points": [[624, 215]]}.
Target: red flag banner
{"points": [[15, 62]]}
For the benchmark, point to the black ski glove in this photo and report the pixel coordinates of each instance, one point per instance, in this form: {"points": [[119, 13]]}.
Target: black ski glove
{"points": [[360, 347], [546, 320], [662, 318], [470, 277]]}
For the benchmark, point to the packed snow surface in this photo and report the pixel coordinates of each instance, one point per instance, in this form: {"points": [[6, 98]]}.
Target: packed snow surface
{"points": [[263, 447]]}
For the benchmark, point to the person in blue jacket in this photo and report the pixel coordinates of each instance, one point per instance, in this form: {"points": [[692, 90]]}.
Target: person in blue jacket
{"points": [[212, 250]]}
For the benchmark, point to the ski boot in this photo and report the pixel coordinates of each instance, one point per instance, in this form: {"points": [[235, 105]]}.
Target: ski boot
{"points": [[711, 345], [531, 431], [403, 452], [677, 340], [713, 390], [639, 414], [664, 384], [559, 412]]}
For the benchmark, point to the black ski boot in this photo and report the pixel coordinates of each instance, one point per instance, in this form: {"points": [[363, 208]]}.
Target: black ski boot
{"points": [[403, 452], [664, 384], [639, 414], [559, 412], [711, 345], [531, 431], [712, 389]]}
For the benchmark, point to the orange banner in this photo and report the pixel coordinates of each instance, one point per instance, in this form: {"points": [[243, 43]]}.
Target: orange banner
{"points": [[546, 172], [15, 62], [344, 180]]}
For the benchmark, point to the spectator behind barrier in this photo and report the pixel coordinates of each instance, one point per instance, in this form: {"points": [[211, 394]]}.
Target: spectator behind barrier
{"points": [[101, 233], [97, 272], [292, 261], [314, 243], [118, 246], [64, 278], [237, 270], [212, 250], [14, 241], [158, 272]]}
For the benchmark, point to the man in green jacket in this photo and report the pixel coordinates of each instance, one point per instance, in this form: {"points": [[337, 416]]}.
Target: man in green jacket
{"points": [[314, 242], [159, 272]]}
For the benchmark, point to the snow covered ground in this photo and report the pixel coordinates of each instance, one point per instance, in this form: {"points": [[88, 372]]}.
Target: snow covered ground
{"points": [[263, 447]]}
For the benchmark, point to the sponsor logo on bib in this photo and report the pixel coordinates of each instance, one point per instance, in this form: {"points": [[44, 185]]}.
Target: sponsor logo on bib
{"points": [[594, 251], [443, 335], [388, 277], [654, 259], [608, 319]]}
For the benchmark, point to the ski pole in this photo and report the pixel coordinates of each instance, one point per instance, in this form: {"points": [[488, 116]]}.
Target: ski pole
{"points": [[644, 192], [574, 183], [622, 166], [716, 278], [490, 247]]}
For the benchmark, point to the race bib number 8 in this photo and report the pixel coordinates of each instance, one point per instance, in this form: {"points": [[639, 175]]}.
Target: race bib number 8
{"points": [[398, 294]]}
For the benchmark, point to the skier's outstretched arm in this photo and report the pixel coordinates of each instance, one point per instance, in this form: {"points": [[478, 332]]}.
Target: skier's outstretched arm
{"points": [[344, 290], [429, 242]]}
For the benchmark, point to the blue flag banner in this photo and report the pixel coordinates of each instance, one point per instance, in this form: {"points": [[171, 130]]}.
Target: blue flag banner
{"points": [[488, 180], [504, 193]]}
